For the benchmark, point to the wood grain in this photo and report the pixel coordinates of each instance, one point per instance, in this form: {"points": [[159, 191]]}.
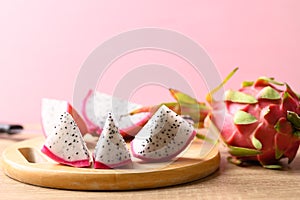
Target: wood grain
{"points": [[229, 182], [23, 161]]}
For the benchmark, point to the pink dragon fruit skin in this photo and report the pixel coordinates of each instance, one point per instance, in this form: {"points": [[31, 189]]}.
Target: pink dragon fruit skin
{"points": [[261, 122]]}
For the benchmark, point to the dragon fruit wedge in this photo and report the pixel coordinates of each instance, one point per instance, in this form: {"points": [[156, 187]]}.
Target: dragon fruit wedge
{"points": [[163, 137], [111, 150], [261, 122], [96, 105], [65, 145], [51, 111]]}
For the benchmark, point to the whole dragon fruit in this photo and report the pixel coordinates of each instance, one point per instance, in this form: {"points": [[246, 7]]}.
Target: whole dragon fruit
{"points": [[261, 122]]}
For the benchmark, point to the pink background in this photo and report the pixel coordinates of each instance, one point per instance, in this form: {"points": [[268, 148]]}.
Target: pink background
{"points": [[44, 43]]}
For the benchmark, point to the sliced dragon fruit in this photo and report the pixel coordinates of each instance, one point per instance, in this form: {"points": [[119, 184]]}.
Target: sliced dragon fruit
{"points": [[96, 105], [66, 145], [164, 136], [111, 151], [51, 111]]}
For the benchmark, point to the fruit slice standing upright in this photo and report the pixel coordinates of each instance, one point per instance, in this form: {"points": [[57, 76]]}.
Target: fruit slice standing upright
{"points": [[66, 145], [111, 150]]}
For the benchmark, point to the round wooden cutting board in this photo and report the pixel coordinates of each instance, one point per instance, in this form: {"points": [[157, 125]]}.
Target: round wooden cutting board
{"points": [[24, 162]]}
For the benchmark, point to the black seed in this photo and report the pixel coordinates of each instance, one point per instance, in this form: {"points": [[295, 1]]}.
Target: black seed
{"points": [[70, 144], [66, 127], [66, 141], [50, 147], [69, 157], [77, 153]]}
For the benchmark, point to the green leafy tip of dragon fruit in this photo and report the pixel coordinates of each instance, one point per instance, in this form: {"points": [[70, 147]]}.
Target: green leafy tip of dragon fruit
{"points": [[261, 122]]}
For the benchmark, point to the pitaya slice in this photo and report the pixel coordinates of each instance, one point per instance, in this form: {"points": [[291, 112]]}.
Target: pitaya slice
{"points": [[261, 122], [96, 105], [51, 110], [66, 145], [164, 136], [111, 150]]}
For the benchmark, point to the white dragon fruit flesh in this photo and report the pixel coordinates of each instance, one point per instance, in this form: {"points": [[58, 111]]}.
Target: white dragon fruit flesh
{"points": [[96, 105], [66, 145], [163, 137], [111, 150], [51, 110]]}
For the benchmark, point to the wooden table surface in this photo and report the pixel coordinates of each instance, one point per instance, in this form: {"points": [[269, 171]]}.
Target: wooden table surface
{"points": [[229, 182]]}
